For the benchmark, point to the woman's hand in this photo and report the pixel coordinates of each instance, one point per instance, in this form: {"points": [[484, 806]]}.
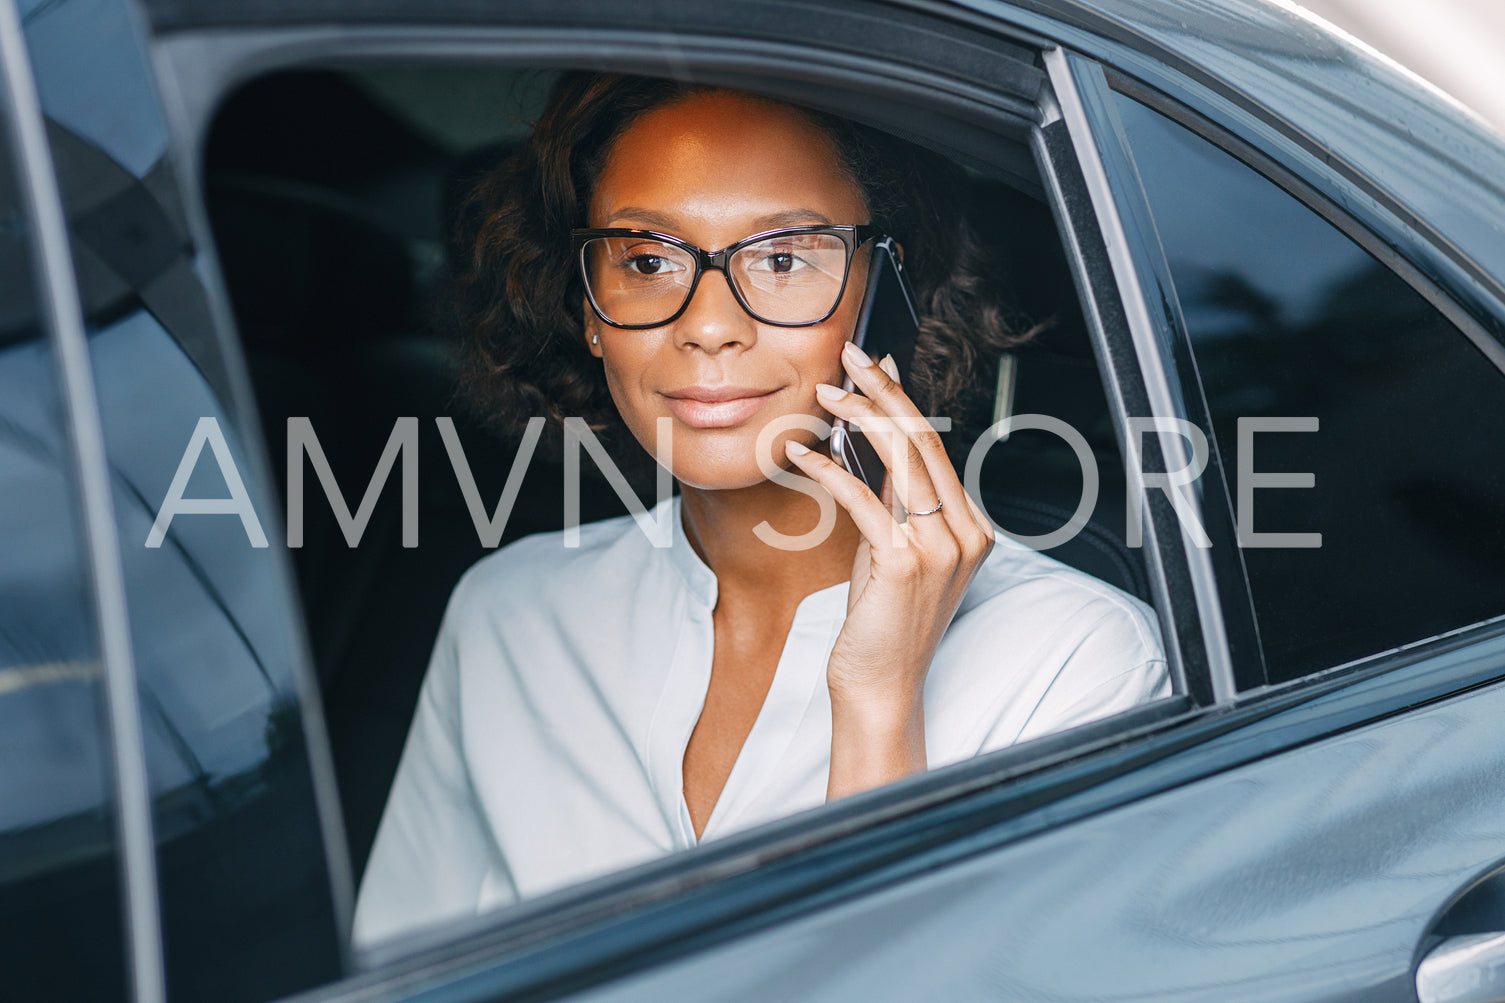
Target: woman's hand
{"points": [[907, 580]]}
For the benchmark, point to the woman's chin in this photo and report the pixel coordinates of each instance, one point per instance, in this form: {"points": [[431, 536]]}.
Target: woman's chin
{"points": [[718, 477], [718, 470]]}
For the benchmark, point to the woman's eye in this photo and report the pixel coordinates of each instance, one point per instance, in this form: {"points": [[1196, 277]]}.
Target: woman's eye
{"points": [[646, 263], [780, 263]]}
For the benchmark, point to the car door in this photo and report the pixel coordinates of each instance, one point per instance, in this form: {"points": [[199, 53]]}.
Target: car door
{"points": [[1290, 835]]}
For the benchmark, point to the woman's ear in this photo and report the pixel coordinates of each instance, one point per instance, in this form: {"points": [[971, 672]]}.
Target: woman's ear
{"points": [[593, 333], [900, 249]]}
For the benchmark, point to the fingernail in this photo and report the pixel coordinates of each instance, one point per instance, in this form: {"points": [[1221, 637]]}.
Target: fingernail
{"points": [[855, 355], [797, 448], [826, 392], [889, 366]]}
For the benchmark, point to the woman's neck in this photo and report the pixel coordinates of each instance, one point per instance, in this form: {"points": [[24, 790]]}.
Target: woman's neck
{"points": [[721, 526]]}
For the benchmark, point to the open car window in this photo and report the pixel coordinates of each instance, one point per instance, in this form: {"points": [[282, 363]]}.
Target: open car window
{"points": [[334, 245]]}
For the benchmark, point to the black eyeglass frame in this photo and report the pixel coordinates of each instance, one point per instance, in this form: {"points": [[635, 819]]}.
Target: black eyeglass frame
{"points": [[853, 235]]}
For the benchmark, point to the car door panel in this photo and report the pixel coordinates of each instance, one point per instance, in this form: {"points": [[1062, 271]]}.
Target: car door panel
{"points": [[1310, 875]]}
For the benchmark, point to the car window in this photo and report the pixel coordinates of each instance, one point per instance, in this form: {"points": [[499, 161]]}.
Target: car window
{"points": [[60, 908], [246, 897], [1343, 374], [333, 248]]}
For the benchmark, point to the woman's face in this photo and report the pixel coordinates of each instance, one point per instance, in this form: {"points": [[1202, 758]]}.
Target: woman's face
{"points": [[712, 169]]}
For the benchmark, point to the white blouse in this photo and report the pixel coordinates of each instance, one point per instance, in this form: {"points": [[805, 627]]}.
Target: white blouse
{"points": [[550, 733]]}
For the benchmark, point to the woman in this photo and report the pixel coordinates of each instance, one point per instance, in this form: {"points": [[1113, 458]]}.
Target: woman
{"points": [[589, 708]]}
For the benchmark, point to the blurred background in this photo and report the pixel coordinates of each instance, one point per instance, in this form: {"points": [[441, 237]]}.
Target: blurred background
{"points": [[1458, 45]]}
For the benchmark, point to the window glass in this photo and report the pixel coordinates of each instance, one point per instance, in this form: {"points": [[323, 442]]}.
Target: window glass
{"points": [[1289, 318], [246, 902], [60, 910]]}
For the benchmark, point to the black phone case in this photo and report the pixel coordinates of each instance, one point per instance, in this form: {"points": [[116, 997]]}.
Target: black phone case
{"points": [[887, 325]]}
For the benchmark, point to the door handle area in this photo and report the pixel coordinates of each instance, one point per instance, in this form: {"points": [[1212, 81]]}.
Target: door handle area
{"points": [[1464, 969]]}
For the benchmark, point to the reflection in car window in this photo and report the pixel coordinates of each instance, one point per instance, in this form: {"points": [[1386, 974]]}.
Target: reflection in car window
{"points": [[60, 910], [246, 903], [1290, 318]]}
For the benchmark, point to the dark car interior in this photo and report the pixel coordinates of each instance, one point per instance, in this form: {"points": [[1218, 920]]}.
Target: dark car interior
{"points": [[331, 194]]}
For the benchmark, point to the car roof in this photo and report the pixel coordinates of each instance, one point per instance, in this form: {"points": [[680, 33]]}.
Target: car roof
{"points": [[1400, 139]]}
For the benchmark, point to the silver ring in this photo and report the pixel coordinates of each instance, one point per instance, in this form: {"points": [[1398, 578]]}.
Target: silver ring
{"points": [[938, 506]]}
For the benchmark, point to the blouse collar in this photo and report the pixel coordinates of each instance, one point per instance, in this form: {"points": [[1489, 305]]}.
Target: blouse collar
{"points": [[700, 581]]}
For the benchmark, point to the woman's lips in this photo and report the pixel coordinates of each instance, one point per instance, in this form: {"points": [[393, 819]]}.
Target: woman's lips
{"points": [[716, 407]]}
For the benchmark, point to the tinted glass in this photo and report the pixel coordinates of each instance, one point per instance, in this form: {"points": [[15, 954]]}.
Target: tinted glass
{"points": [[1290, 318], [60, 910], [245, 890]]}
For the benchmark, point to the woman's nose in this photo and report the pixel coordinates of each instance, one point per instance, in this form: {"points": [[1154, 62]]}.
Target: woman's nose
{"points": [[714, 320]]}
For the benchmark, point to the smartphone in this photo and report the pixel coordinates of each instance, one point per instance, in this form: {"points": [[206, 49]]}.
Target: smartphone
{"points": [[887, 325]]}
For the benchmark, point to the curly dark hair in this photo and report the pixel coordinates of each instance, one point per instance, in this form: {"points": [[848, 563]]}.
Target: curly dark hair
{"points": [[515, 299]]}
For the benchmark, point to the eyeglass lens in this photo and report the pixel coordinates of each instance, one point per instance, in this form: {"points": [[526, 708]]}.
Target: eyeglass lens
{"points": [[785, 279]]}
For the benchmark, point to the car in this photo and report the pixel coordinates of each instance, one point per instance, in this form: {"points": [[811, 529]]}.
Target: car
{"points": [[1269, 401]]}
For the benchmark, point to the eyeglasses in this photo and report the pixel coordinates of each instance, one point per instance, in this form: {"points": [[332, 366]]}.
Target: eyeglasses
{"points": [[790, 277]]}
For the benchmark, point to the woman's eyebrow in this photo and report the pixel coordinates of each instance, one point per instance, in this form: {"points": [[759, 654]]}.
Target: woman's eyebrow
{"points": [[656, 220], [791, 217], [650, 218]]}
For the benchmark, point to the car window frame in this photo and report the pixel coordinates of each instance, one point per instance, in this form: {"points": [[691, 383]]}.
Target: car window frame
{"points": [[541, 941], [1133, 343], [245, 411], [1223, 594]]}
